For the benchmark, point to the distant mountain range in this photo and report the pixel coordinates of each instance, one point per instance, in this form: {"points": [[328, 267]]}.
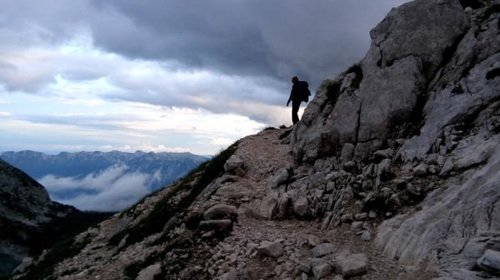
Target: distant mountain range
{"points": [[102, 181], [38, 165]]}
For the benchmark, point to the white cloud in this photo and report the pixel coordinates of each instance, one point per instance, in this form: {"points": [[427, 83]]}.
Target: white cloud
{"points": [[94, 182], [221, 141], [148, 148], [78, 74], [126, 126], [110, 190]]}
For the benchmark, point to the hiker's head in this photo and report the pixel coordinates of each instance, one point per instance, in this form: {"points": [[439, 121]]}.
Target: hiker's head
{"points": [[295, 79]]}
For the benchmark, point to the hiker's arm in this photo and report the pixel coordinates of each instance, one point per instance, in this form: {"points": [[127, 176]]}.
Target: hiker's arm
{"points": [[290, 98]]}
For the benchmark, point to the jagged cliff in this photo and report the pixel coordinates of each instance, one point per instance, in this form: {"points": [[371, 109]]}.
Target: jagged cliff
{"points": [[393, 173]]}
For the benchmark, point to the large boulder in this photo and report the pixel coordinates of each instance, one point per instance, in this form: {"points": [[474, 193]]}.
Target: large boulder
{"points": [[323, 249], [221, 211], [351, 264], [270, 249], [235, 165], [490, 261]]}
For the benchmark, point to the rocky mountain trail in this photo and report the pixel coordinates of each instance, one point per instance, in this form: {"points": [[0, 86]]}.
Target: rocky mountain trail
{"points": [[266, 242]]}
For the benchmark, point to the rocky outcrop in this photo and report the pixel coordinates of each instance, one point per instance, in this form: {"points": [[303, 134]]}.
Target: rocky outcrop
{"points": [[439, 113], [362, 106], [459, 129]]}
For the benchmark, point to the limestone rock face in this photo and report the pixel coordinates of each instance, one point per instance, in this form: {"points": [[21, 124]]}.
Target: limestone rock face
{"points": [[426, 91], [407, 48], [458, 139]]}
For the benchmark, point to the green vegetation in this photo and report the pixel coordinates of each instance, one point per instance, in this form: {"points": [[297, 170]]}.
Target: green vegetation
{"points": [[185, 191]]}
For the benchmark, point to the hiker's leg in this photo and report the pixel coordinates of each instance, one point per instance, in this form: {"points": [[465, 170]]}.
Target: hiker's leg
{"points": [[295, 111]]}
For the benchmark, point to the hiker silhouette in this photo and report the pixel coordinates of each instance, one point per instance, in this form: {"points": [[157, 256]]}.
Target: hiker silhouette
{"points": [[300, 92]]}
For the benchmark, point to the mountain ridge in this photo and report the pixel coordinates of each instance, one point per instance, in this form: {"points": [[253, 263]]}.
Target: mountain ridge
{"points": [[14, 157]]}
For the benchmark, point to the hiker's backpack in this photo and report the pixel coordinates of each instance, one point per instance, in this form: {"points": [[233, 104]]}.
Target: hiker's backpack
{"points": [[304, 91]]}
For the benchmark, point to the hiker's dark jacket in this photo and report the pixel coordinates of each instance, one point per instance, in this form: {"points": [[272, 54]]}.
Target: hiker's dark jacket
{"points": [[295, 94]]}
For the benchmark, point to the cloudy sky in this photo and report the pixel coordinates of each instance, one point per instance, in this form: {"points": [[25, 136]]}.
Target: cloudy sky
{"points": [[165, 75]]}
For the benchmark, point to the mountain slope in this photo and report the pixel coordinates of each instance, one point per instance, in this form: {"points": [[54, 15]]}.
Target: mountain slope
{"points": [[30, 221], [24, 204], [391, 174]]}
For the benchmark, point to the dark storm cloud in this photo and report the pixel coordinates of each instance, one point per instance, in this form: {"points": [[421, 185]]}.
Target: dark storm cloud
{"points": [[200, 33], [276, 38], [27, 22], [314, 39], [224, 56]]}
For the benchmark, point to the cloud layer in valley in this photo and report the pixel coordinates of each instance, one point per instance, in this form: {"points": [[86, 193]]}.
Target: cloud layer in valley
{"points": [[112, 189]]}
